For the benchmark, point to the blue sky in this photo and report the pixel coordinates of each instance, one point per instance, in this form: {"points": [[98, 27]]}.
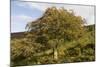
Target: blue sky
{"points": [[24, 12]]}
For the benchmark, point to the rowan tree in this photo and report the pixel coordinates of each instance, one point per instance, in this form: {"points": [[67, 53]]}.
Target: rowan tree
{"points": [[55, 26]]}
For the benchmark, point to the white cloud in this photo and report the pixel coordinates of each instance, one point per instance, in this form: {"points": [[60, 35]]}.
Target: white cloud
{"points": [[86, 12], [21, 17], [19, 22], [24, 17], [32, 5]]}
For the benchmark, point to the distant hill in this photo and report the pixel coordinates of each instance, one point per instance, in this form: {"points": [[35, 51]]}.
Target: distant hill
{"points": [[17, 35], [91, 27]]}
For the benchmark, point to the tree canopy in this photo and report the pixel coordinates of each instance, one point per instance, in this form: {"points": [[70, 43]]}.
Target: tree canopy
{"points": [[57, 23]]}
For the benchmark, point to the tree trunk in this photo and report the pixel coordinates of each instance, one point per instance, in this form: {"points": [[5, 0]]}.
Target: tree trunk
{"points": [[55, 54]]}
